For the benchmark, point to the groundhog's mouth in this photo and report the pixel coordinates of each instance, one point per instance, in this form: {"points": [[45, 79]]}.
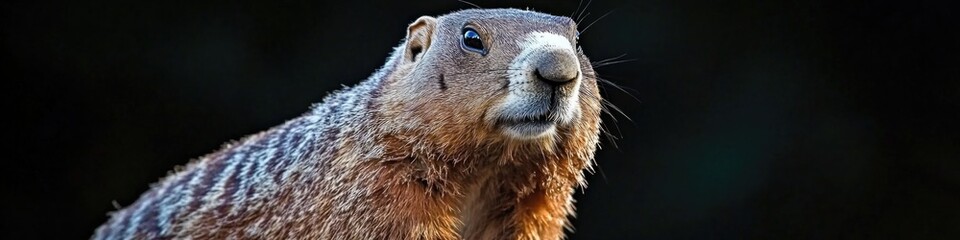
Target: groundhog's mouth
{"points": [[528, 127], [542, 118]]}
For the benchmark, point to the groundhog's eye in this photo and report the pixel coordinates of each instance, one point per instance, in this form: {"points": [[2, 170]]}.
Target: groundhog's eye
{"points": [[471, 41]]}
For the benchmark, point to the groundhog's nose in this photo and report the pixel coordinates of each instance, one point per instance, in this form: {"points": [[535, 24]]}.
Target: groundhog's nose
{"points": [[556, 66]]}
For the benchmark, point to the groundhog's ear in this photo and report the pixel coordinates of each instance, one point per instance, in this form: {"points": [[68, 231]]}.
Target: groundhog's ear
{"points": [[419, 36]]}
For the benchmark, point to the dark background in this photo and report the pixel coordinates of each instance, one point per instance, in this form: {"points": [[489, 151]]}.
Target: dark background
{"points": [[751, 119]]}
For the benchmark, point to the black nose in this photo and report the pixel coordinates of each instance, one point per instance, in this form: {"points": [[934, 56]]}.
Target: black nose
{"points": [[556, 66]]}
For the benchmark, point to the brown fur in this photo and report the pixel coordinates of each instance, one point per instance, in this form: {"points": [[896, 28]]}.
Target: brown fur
{"points": [[426, 162]]}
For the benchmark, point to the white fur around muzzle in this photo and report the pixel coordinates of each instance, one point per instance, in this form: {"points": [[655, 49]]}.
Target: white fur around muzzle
{"points": [[529, 97]]}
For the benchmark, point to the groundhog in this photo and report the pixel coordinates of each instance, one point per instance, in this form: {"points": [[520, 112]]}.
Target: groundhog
{"points": [[480, 125]]}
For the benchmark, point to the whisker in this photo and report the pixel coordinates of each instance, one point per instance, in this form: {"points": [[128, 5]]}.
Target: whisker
{"points": [[605, 108], [595, 21], [604, 64], [576, 10], [617, 86], [579, 17], [587, 15], [470, 3], [609, 59], [609, 135], [615, 108], [609, 108]]}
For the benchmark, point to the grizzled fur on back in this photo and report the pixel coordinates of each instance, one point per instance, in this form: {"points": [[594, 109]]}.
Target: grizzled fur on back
{"points": [[416, 151], [248, 183]]}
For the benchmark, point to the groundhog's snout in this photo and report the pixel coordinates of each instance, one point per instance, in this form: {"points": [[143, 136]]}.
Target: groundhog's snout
{"points": [[556, 66], [545, 93]]}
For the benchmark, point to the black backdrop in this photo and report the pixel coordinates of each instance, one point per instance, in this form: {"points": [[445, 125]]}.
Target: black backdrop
{"points": [[751, 119]]}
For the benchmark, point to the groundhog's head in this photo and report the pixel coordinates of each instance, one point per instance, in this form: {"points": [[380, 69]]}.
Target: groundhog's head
{"points": [[480, 77]]}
